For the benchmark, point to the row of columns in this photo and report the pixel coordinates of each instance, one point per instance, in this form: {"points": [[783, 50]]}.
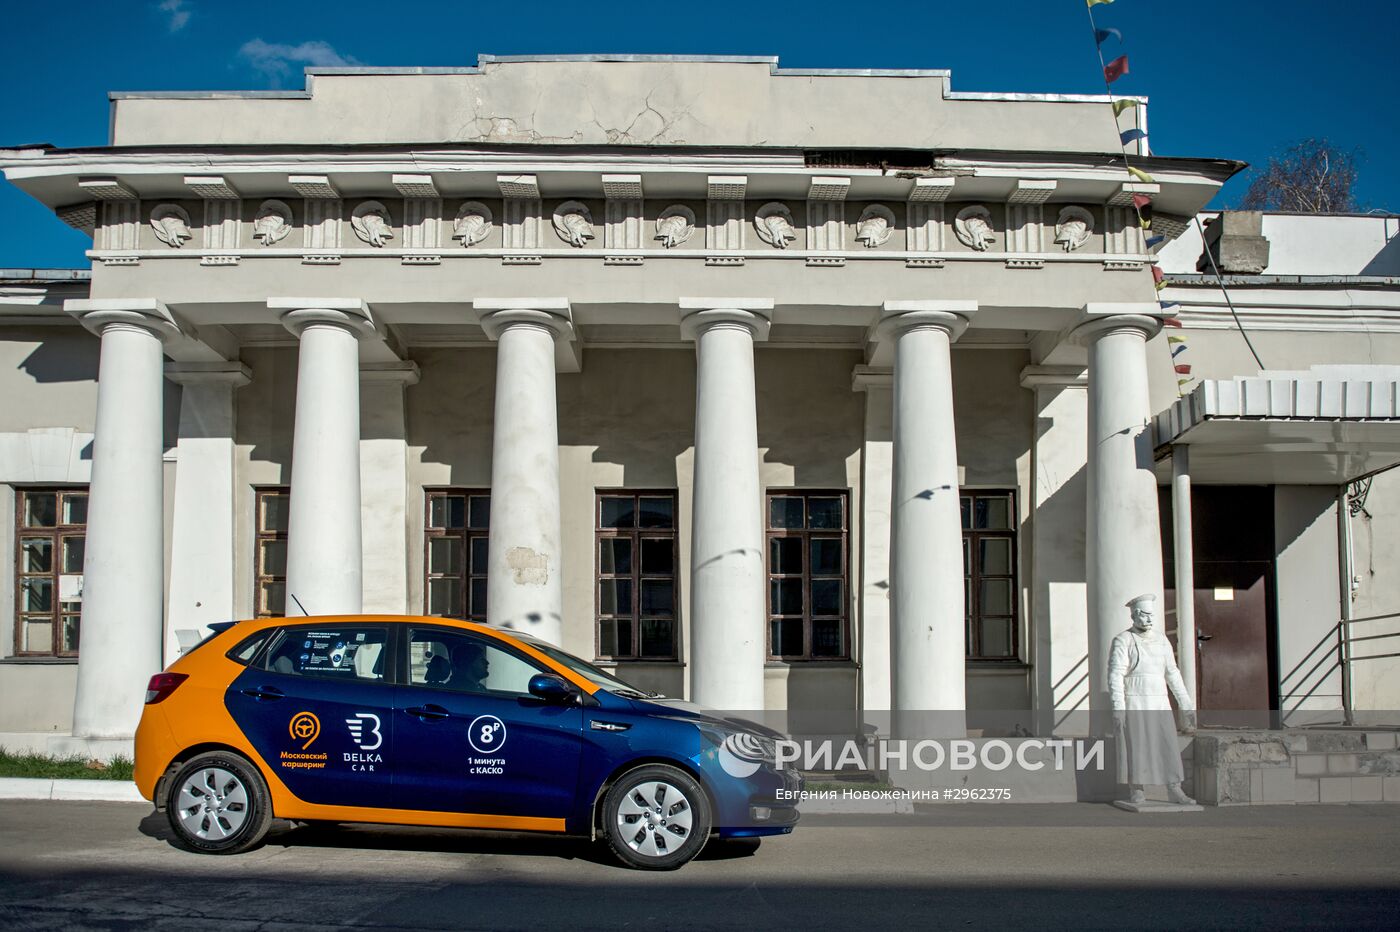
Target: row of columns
{"points": [[125, 544]]}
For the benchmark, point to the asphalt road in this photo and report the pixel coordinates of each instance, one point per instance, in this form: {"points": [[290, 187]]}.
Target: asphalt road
{"points": [[112, 866]]}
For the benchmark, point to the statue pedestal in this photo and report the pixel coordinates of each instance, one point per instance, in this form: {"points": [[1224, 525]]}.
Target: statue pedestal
{"points": [[1155, 805]]}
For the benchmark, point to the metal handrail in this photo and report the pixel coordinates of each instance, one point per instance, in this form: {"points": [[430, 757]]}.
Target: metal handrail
{"points": [[1353, 621], [1348, 640]]}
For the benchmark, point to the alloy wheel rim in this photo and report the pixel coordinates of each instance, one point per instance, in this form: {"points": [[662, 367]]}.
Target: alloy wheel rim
{"points": [[655, 818], [213, 804]]}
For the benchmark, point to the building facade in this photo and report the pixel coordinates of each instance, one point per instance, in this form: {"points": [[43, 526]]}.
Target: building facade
{"points": [[826, 392]]}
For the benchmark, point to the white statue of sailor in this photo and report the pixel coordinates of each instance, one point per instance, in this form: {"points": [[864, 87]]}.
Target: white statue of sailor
{"points": [[1141, 668]]}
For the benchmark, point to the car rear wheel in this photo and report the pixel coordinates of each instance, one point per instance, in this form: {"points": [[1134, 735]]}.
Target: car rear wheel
{"points": [[218, 804], [656, 817]]}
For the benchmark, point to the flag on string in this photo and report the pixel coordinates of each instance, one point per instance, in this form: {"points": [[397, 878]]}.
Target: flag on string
{"points": [[1131, 135], [1182, 369], [1101, 35], [1155, 240], [1142, 201], [1177, 350], [1115, 69], [1168, 305], [1171, 322], [1126, 103], [1180, 383], [1140, 175], [1096, 2]]}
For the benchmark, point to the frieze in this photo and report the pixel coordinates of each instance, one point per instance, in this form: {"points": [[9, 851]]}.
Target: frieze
{"points": [[774, 225], [573, 223], [371, 223], [675, 225], [472, 223], [973, 227], [171, 224]]}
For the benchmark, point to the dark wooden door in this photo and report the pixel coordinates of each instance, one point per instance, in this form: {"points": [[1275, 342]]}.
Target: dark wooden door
{"points": [[1232, 644]]}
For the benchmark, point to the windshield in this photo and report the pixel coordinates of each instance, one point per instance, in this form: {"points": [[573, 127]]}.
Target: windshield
{"points": [[585, 669]]}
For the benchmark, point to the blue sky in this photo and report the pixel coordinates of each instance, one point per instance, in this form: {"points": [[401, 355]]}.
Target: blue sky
{"points": [[1231, 78]]}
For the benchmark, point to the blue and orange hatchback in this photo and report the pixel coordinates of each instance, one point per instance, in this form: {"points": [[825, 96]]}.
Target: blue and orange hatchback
{"points": [[432, 721]]}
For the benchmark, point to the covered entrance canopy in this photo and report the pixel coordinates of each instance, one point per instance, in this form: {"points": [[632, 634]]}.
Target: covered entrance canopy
{"points": [[1329, 425]]}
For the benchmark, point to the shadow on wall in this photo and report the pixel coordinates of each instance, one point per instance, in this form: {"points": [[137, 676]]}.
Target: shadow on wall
{"points": [[635, 407], [1387, 261], [67, 357]]}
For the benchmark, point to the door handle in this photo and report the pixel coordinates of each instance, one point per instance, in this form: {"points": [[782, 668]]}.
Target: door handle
{"points": [[597, 725], [429, 713], [1202, 638], [264, 693]]}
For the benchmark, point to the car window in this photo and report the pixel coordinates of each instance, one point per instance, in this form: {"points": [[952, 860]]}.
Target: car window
{"points": [[465, 663], [245, 650], [349, 652]]}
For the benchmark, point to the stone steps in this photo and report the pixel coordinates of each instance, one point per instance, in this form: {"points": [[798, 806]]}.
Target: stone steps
{"points": [[1296, 766]]}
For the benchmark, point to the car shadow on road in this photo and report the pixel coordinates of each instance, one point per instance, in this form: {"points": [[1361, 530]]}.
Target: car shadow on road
{"points": [[366, 837]]}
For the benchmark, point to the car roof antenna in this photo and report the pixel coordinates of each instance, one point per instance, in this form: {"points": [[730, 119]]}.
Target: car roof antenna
{"points": [[299, 605]]}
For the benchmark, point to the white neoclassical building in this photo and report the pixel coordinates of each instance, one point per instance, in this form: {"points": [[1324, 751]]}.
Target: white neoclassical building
{"points": [[777, 389]]}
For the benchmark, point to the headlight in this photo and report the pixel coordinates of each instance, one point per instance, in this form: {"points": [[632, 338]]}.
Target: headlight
{"points": [[740, 753]]}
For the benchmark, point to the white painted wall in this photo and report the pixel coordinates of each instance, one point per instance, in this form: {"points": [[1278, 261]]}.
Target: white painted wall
{"points": [[1305, 535]]}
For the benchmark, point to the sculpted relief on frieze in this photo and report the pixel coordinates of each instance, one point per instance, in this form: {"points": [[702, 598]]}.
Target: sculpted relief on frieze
{"points": [[774, 225], [371, 223], [171, 223], [675, 225], [875, 226], [573, 222], [973, 227], [472, 223], [272, 222], [1073, 227]]}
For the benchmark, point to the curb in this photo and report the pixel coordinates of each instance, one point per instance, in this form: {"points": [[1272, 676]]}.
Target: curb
{"points": [[112, 791]]}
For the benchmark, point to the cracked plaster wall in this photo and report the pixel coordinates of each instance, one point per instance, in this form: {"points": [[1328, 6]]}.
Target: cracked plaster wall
{"points": [[621, 103]]}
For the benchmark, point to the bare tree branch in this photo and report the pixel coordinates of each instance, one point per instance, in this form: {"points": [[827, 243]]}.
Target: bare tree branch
{"points": [[1312, 176]]}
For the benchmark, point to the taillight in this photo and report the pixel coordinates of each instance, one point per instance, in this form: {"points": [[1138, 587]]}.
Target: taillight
{"points": [[162, 685]]}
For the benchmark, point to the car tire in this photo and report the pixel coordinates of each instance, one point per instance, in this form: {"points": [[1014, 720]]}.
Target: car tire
{"points": [[656, 817], [218, 803]]}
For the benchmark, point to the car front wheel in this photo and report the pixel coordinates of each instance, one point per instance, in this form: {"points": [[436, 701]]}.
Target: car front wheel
{"points": [[218, 804], [656, 817]]}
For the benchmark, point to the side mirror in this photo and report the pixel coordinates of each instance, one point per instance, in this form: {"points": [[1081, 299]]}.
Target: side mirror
{"points": [[550, 688]]}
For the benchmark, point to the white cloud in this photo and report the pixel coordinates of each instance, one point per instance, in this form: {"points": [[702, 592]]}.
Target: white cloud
{"points": [[179, 16], [275, 61]]}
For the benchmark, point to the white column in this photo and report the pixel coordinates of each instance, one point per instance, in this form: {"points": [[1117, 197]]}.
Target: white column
{"points": [[524, 588], [1124, 543], [727, 637], [1184, 556], [201, 551], [323, 531], [876, 464], [124, 565], [384, 485], [927, 636]]}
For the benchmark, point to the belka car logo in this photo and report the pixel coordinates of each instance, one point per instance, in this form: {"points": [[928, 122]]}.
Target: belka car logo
{"points": [[370, 739], [306, 727]]}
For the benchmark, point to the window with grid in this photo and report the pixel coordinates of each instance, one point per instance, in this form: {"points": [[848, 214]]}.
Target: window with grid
{"points": [[270, 570], [807, 575], [636, 573], [50, 531], [989, 574], [456, 545]]}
